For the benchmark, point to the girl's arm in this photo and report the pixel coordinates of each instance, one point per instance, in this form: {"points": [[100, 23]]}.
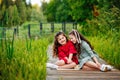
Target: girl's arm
{"points": [[90, 51], [87, 48], [70, 58], [96, 61]]}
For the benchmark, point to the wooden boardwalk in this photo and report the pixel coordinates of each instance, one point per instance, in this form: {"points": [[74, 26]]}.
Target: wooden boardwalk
{"points": [[71, 74], [82, 75]]}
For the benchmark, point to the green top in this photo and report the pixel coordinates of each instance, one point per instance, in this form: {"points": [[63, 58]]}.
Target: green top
{"points": [[86, 53]]}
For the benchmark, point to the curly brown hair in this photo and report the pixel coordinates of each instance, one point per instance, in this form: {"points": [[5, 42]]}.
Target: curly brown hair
{"points": [[56, 44]]}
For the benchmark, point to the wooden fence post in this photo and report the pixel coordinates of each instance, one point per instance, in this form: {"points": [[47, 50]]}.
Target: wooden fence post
{"points": [[29, 35], [52, 27], [15, 32], [41, 28]]}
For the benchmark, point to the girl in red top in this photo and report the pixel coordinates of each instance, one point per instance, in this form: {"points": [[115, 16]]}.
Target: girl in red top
{"points": [[65, 51]]}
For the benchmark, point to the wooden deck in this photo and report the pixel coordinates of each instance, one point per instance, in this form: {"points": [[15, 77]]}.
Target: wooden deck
{"points": [[82, 75], [71, 74]]}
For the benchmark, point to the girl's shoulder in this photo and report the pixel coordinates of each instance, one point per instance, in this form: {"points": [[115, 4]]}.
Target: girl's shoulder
{"points": [[84, 43]]}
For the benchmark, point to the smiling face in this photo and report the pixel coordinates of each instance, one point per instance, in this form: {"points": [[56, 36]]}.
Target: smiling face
{"points": [[62, 39], [72, 38]]}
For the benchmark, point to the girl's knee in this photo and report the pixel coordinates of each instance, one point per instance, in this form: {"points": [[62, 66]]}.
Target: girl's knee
{"points": [[74, 64], [60, 63]]}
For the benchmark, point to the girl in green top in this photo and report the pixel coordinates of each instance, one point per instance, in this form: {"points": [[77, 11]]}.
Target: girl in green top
{"points": [[88, 60]]}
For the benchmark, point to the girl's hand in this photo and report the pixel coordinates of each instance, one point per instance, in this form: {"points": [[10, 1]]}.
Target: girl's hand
{"points": [[69, 61], [98, 63]]}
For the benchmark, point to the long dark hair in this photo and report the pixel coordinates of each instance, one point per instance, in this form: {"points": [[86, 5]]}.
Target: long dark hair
{"points": [[79, 37], [56, 44]]}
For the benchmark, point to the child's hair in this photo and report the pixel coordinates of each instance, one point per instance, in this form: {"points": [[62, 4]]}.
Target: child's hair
{"points": [[56, 44], [80, 37]]}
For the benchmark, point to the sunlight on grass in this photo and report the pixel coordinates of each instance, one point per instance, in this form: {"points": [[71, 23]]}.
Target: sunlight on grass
{"points": [[107, 49], [26, 64]]}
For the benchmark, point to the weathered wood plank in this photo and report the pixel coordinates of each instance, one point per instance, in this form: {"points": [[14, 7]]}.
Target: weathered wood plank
{"points": [[82, 75]]}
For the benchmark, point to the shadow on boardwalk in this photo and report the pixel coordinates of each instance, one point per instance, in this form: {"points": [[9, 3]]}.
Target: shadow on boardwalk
{"points": [[71, 74]]}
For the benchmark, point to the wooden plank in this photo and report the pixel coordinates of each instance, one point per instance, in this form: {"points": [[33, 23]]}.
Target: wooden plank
{"points": [[82, 75], [82, 78]]}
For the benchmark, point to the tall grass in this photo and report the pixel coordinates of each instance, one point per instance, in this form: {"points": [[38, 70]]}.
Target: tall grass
{"points": [[28, 61], [108, 48]]}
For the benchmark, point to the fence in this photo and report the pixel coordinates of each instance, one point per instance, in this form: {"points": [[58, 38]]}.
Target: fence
{"points": [[32, 30]]}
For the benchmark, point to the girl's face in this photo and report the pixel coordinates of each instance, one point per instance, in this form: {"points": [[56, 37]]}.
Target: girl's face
{"points": [[72, 38], [61, 39]]}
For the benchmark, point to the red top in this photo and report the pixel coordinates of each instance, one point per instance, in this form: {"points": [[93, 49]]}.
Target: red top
{"points": [[65, 50]]}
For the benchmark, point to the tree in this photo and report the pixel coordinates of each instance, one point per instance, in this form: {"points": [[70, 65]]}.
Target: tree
{"points": [[21, 10], [50, 11], [81, 9], [13, 12], [70, 10], [37, 15], [63, 12]]}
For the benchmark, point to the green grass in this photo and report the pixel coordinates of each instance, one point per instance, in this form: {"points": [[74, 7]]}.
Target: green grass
{"points": [[108, 49], [27, 62]]}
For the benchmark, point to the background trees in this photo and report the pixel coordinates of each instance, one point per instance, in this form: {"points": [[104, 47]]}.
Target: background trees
{"points": [[76, 10], [85, 12], [17, 12], [69, 10]]}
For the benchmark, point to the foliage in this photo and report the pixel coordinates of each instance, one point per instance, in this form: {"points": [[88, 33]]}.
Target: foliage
{"points": [[81, 9], [107, 48], [14, 13], [75, 10], [108, 20], [69, 10], [109, 3], [37, 15], [9, 45], [28, 61], [22, 11]]}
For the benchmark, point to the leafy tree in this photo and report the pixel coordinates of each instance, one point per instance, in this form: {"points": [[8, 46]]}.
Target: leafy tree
{"points": [[11, 16], [2, 11], [62, 12], [37, 15], [50, 11], [81, 9], [22, 10], [13, 13], [70, 10], [16, 18]]}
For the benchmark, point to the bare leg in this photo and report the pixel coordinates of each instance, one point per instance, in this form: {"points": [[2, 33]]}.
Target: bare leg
{"points": [[60, 63], [92, 65], [88, 68], [67, 66]]}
